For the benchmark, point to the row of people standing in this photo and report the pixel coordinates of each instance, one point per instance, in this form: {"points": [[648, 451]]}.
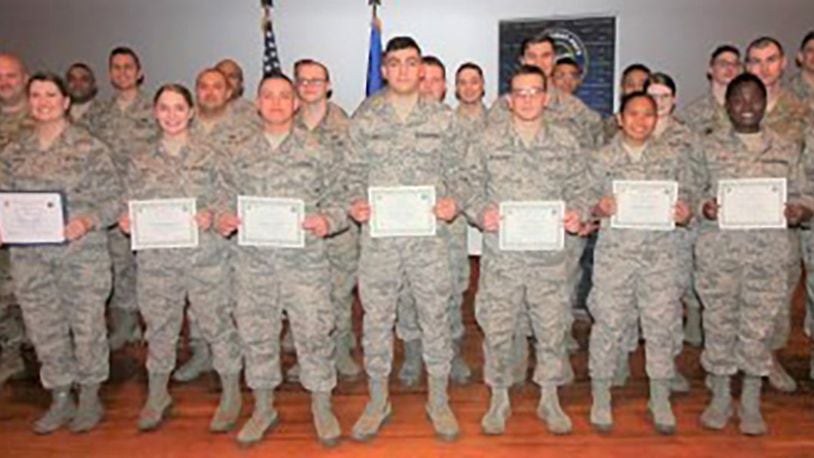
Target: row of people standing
{"points": [[420, 134]]}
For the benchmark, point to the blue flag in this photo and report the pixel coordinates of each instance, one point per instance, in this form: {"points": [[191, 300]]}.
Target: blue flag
{"points": [[271, 58], [374, 61]]}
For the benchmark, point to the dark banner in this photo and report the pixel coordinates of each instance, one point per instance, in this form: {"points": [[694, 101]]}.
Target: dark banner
{"points": [[591, 41]]}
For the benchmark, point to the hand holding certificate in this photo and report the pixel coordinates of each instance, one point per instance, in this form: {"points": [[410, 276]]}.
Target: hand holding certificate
{"points": [[31, 218], [752, 203], [402, 211], [532, 226], [163, 223], [271, 222], [644, 205]]}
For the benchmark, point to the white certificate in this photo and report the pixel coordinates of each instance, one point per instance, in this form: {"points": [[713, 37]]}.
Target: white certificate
{"points": [[474, 241], [532, 225], [752, 203], [31, 218], [270, 222], [402, 211], [645, 205], [163, 223]]}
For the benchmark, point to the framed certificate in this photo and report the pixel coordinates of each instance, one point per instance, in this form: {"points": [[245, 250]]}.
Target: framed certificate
{"points": [[752, 203], [163, 223], [474, 241], [532, 225], [270, 222], [644, 205], [32, 218], [402, 211]]}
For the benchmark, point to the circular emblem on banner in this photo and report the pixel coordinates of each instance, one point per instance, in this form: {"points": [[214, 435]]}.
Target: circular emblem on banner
{"points": [[570, 45]]}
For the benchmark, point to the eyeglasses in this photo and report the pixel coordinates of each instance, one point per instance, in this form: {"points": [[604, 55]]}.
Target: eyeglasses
{"points": [[527, 92], [311, 81]]}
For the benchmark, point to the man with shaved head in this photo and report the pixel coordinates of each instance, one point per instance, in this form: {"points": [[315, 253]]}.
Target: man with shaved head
{"points": [[14, 122], [244, 108]]}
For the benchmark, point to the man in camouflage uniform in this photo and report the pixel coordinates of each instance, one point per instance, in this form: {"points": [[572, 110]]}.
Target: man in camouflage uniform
{"points": [[586, 126], [82, 86], [329, 123], [633, 78], [787, 116], [15, 122], [62, 288], [217, 124], [401, 139], [743, 275], [434, 87], [242, 107], [126, 124], [287, 161], [802, 84], [525, 159], [707, 114]]}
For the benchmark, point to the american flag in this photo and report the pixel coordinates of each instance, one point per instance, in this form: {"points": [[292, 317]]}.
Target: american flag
{"points": [[271, 59]]}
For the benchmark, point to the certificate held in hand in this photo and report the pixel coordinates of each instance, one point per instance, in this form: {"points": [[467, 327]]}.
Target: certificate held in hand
{"points": [[644, 205], [402, 211], [752, 203], [163, 223], [532, 225], [32, 218], [270, 222]]}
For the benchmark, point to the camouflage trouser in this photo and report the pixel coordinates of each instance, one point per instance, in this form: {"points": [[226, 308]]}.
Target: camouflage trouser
{"points": [[384, 267], [629, 285], [226, 249], [124, 270], [407, 327], [269, 282], [742, 280], [62, 292], [807, 241], [12, 332], [343, 258], [782, 322], [165, 279], [510, 288]]}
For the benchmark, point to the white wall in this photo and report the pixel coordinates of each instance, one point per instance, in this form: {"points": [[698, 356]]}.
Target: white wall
{"points": [[176, 38]]}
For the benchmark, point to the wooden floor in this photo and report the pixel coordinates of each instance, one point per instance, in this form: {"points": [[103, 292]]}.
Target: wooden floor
{"points": [[409, 434]]}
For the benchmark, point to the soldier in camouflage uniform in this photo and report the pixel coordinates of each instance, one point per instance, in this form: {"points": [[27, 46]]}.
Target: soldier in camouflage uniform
{"points": [[637, 273], [789, 117], [743, 274], [82, 87], [400, 139], [586, 126], [287, 161], [525, 159], [177, 166], [242, 107], [126, 124], [802, 84], [707, 114], [216, 124], [62, 288], [15, 122], [329, 123], [633, 78], [433, 86]]}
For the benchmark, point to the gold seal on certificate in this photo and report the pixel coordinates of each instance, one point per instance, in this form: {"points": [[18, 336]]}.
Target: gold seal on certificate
{"points": [[402, 211], [270, 222], [752, 203], [163, 223], [532, 225], [644, 205], [31, 218]]}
